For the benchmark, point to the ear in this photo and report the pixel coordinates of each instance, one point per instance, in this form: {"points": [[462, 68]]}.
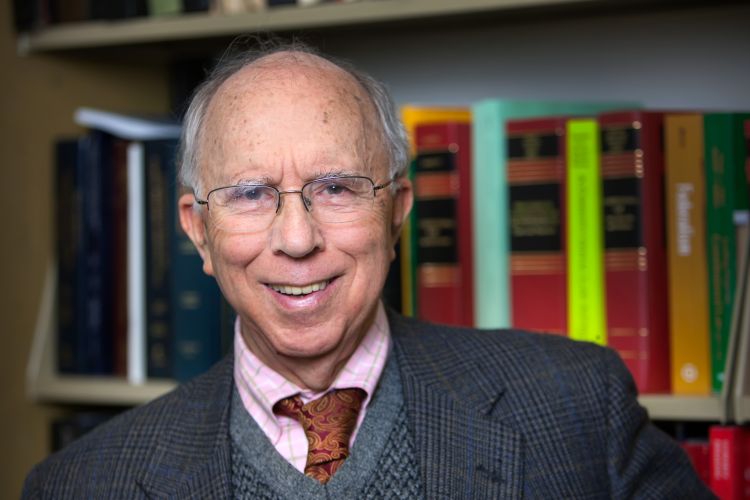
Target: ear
{"points": [[191, 220], [402, 205]]}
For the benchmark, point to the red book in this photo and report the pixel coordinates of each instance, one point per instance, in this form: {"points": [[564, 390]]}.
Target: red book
{"points": [[728, 457], [699, 454], [536, 191], [442, 188], [635, 257]]}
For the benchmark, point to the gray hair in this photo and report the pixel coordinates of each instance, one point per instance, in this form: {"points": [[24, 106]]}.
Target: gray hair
{"points": [[393, 134]]}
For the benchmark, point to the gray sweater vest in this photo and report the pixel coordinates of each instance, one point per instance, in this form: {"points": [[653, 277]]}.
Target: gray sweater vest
{"points": [[382, 463]]}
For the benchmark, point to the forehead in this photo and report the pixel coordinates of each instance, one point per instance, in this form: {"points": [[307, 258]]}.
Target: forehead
{"points": [[286, 105]]}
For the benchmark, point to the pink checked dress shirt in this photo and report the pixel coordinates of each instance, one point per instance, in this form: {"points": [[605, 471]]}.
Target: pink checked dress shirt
{"points": [[260, 387]]}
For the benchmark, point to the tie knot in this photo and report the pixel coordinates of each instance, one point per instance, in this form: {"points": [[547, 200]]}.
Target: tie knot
{"points": [[328, 423]]}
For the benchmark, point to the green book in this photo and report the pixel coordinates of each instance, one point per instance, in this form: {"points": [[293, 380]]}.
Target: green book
{"points": [[164, 7], [587, 318], [726, 192], [490, 200]]}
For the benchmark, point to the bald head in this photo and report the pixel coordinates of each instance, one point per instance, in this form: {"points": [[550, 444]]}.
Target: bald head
{"points": [[240, 87]]}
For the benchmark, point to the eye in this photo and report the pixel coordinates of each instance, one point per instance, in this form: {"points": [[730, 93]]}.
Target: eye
{"points": [[248, 197], [335, 188], [252, 193]]}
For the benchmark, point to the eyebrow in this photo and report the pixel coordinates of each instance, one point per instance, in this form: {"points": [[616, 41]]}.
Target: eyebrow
{"points": [[323, 174], [320, 174]]}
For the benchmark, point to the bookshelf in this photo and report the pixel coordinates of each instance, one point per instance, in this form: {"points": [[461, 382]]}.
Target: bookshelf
{"points": [[204, 25], [44, 384], [457, 20]]}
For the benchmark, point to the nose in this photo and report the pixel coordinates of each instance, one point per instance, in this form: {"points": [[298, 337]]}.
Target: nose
{"points": [[293, 230]]}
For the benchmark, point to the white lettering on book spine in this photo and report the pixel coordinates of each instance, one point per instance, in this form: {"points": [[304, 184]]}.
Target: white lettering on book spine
{"points": [[685, 229]]}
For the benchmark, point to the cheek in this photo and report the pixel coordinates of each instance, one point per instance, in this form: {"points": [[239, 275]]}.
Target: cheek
{"points": [[234, 250]]}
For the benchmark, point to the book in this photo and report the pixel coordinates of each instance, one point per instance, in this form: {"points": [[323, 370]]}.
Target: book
{"points": [[411, 116], [726, 192], [137, 130], [165, 7], [698, 451], [635, 261], [95, 266], [442, 192], [536, 193], [116, 9], [67, 223], [587, 315], [160, 215], [119, 200], [490, 206], [729, 455], [195, 5], [197, 313], [690, 357]]}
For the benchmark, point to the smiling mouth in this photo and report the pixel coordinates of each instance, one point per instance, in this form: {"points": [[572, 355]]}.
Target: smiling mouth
{"points": [[300, 290]]}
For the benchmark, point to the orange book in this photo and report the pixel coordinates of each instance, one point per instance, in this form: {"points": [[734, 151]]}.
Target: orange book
{"points": [[686, 257]]}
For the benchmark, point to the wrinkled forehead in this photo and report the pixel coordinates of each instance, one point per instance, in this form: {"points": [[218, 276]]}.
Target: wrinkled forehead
{"points": [[265, 97]]}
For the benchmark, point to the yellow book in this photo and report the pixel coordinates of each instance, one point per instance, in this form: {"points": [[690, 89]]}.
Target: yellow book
{"points": [[587, 314], [411, 116], [686, 255]]}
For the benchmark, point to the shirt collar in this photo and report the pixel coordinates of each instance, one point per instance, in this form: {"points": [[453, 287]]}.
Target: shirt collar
{"points": [[260, 387]]}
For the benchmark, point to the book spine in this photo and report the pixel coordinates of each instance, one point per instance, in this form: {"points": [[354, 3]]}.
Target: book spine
{"points": [[195, 5], [196, 316], [727, 467], [411, 116], [443, 210], [536, 184], [699, 454], [491, 245], [96, 349], [586, 301], [724, 164], [137, 291], [68, 224], [632, 164], [119, 224], [159, 178], [686, 255]]}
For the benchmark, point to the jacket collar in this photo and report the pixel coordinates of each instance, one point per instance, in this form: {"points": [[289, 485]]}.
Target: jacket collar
{"points": [[465, 444], [192, 459]]}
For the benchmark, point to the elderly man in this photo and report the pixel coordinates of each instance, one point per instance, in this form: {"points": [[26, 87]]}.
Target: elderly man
{"points": [[296, 164]]}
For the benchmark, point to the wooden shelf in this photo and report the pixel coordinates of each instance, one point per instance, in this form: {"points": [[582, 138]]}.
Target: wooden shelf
{"points": [[97, 34], [698, 408], [72, 389], [44, 384]]}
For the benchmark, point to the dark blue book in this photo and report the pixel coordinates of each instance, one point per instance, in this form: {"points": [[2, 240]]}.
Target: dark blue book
{"points": [[195, 5], [67, 224], [197, 324], [160, 217], [95, 353]]}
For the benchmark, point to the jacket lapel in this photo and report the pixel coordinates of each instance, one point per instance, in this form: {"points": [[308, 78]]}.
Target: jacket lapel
{"points": [[464, 446], [193, 460]]}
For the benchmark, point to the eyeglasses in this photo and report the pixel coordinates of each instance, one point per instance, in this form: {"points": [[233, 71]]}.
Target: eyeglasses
{"points": [[249, 208]]}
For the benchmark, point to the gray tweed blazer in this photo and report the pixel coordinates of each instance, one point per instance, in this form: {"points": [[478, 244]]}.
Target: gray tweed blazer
{"points": [[494, 414]]}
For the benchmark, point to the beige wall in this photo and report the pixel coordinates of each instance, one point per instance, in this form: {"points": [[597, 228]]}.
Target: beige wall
{"points": [[37, 97]]}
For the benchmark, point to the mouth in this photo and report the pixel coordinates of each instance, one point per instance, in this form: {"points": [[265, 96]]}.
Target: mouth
{"points": [[300, 290]]}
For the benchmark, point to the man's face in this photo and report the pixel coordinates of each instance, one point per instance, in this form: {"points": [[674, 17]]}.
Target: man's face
{"points": [[285, 125]]}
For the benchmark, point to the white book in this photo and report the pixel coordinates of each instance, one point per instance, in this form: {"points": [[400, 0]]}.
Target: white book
{"points": [[129, 127], [136, 338], [135, 129]]}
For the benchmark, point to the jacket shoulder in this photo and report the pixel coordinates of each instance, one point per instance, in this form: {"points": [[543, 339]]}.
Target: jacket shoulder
{"points": [[106, 461]]}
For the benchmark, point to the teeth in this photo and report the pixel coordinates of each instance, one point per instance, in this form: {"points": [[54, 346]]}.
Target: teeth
{"points": [[297, 290]]}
